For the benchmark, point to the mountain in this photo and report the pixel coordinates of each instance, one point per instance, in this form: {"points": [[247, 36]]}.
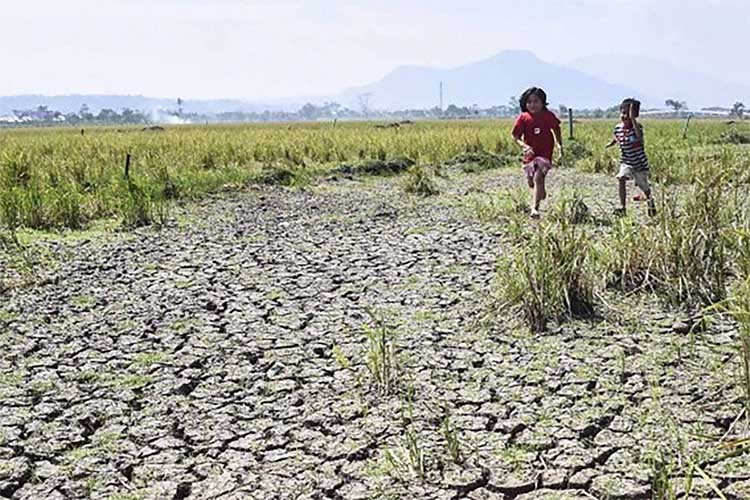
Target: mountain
{"points": [[663, 80], [589, 82], [73, 103], [487, 83]]}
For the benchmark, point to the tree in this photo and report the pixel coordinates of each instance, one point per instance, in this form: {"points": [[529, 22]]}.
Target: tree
{"points": [[514, 105], [179, 106], [308, 112], [108, 116], [452, 110], [43, 114], [675, 104], [738, 110], [72, 118], [85, 113]]}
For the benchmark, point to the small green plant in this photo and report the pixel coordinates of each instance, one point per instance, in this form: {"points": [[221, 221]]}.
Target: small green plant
{"points": [[452, 443], [84, 301], [663, 488], [572, 208], [147, 359], [407, 458], [8, 240], [416, 454], [407, 402], [630, 255], [422, 179], [499, 206], [340, 357], [381, 358]]}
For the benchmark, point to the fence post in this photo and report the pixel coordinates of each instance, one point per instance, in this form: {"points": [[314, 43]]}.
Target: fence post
{"points": [[570, 122], [127, 166], [687, 124]]}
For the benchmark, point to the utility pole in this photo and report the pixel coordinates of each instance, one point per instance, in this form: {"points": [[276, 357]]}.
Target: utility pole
{"points": [[441, 97]]}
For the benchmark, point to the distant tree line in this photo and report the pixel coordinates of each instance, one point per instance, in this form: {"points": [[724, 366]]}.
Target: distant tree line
{"points": [[328, 111], [42, 115]]}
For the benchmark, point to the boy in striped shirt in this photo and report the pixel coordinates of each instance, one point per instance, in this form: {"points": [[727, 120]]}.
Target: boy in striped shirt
{"points": [[633, 161]]}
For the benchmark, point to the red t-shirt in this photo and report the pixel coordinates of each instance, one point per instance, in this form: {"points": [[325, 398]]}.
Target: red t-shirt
{"points": [[536, 131]]}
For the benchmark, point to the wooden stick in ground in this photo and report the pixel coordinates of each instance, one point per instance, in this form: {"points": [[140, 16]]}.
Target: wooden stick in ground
{"points": [[570, 122], [127, 166], [687, 124]]}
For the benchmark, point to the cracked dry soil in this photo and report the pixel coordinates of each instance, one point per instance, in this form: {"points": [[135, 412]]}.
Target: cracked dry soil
{"points": [[225, 358]]}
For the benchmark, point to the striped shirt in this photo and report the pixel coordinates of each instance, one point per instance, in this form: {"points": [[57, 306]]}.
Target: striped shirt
{"points": [[631, 148]]}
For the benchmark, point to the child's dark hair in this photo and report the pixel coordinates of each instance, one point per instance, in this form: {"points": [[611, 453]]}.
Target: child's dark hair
{"points": [[625, 105], [541, 94]]}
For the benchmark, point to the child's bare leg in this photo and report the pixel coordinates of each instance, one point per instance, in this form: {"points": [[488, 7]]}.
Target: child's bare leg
{"points": [[530, 180], [623, 192], [541, 186], [540, 192], [650, 201]]}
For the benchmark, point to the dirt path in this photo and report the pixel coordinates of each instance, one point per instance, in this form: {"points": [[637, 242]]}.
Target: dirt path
{"points": [[224, 357]]}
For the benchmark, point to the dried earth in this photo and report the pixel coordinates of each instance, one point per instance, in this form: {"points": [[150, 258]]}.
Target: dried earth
{"points": [[224, 356]]}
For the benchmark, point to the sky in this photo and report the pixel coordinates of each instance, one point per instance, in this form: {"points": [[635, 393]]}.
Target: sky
{"points": [[264, 49]]}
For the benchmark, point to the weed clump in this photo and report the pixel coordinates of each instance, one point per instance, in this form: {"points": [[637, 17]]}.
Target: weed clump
{"points": [[480, 161], [379, 166], [549, 275], [738, 307], [572, 209], [141, 205], [685, 256], [381, 358], [280, 175], [506, 204], [734, 136], [422, 179]]}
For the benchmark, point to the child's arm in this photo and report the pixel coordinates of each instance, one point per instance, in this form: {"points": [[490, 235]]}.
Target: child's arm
{"points": [[611, 143], [636, 125], [638, 130], [558, 137], [519, 136], [518, 140]]}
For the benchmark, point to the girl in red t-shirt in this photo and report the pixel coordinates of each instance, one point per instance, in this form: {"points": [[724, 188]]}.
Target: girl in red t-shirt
{"points": [[534, 131]]}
